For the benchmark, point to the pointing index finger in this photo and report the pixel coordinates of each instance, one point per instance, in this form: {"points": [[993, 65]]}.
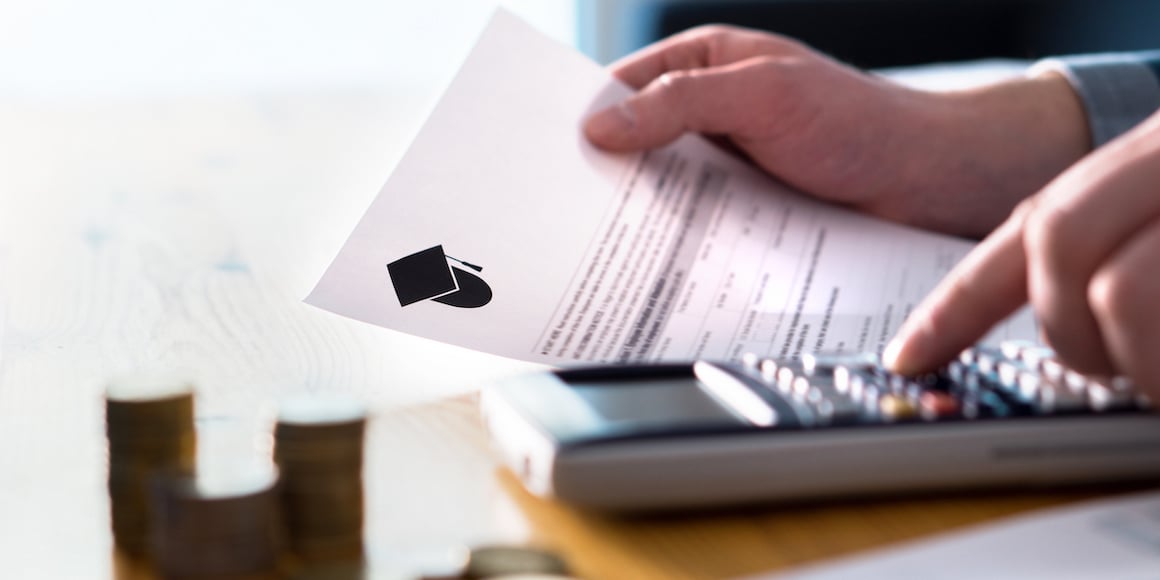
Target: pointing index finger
{"points": [[988, 285]]}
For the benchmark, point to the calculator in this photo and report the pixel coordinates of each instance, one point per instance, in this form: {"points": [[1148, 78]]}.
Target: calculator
{"points": [[700, 434]]}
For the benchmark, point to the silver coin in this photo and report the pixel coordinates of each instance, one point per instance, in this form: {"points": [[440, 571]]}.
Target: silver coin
{"points": [[493, 561]]}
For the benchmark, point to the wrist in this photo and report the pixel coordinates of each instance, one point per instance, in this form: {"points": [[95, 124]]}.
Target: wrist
{"points": [[1046, 108], [995, 145]]}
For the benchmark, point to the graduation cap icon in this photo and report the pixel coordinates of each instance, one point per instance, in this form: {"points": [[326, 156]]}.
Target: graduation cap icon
{"points": [[430, 275]]}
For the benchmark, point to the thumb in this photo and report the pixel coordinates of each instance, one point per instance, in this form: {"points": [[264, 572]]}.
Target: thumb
{"points": [[710, 100]]}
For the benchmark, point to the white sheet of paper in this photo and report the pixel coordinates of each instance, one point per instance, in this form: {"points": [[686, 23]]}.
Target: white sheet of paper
{"points": [[1116, 538], [683, 252]]}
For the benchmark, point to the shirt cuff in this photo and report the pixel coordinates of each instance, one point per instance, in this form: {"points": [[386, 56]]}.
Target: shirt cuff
{"points": [[1118, 90]]}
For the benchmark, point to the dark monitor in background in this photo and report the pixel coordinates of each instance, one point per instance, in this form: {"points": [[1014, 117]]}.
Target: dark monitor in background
{"points": [[885, 33]]}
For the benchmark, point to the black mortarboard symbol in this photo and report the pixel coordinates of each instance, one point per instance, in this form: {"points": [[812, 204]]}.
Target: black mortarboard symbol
{"points": [[428, 275]]}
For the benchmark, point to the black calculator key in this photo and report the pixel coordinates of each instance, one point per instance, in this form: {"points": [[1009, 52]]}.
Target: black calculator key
{"points": [[1108, 394], [1053, 398], [841, 411], [988, 404]]}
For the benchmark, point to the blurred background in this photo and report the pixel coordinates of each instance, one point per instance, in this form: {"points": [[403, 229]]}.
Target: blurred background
{"points": [[59, 48], [889, 33]]}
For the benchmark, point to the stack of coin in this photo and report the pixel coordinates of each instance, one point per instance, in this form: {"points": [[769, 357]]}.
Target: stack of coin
{"points": [[149, 424], [318, 446], [218, 527]]}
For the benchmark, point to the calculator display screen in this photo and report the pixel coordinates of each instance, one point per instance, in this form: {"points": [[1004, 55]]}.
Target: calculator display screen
{"points": [[648, 404]]}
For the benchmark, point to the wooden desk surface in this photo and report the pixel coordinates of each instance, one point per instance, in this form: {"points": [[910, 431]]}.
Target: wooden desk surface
{"points": [[183, 234], [717, 544]]}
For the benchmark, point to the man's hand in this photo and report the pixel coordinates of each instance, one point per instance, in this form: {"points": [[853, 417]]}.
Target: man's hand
{"points": [[955, 162], [1085, 251]]}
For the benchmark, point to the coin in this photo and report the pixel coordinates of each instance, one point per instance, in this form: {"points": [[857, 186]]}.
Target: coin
{"points": [[531, 577], [318, 446], [228, 525], [493, 561]]}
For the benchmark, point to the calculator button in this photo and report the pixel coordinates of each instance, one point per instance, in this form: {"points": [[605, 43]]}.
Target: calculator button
{"points": [[839, 411], [842, 379], [1053, 398], [800, 387], [993, 405], [897, 383], [1075, 381], [848, 378], [750, 360], [785, 376], [956, 372], [857, 389], [768, 369], [967, 357], [987, 360], [894, 407], [1122, 384], [1028, 385], [1104, 396], [813, 389], [815, 396], [984, 404], [913, 392], [1008, 375], [856, 381], [961, 379], [1052, 369], [869, 396], [935, 405], [1010, 400], [1034, 357], [1014, 349]]}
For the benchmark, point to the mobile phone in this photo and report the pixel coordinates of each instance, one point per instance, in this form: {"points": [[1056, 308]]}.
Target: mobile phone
{"points": [[652, 437]]}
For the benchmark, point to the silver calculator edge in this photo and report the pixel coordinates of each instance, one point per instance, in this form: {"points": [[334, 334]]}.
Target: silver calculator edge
{"points": [[654, 474]]}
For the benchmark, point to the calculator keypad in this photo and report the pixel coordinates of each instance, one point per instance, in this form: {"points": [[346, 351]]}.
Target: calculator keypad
{"points": [[1017, 378]]}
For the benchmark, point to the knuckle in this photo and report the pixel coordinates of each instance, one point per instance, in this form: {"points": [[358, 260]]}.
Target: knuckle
{"points": [[1025, 208], [674, 84], [1050, 236], [1116, 295]]}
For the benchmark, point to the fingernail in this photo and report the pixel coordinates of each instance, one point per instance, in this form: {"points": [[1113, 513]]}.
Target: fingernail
{"points": [[904, 353], [891, 354], [611, 122]]}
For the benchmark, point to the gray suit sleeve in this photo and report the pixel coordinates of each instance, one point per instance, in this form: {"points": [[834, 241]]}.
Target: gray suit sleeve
{"points": [[1118, 90]]}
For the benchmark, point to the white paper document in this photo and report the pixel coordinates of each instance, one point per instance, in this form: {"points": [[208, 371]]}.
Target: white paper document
{"points": [[1118, 538], [503, 230]]}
